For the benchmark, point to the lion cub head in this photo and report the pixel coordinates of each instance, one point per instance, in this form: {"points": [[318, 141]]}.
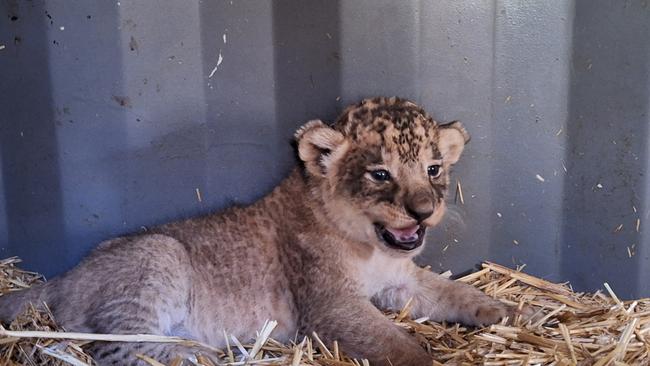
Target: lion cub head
{"points": [[382, 170]]}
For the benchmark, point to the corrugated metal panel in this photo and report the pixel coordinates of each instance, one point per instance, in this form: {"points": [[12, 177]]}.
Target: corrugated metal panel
{"points": [[115, 113]]}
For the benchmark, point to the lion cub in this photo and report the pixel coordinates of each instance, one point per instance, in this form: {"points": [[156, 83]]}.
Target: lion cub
{"points": [[322, 252]]}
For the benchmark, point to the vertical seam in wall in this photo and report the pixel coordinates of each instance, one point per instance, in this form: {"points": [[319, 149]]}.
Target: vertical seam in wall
{"points": [[559, 242], [492, 123], [494, 60]]}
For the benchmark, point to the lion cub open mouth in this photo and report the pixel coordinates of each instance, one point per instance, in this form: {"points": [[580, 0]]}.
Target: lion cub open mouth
{"points": [[407, 238]]}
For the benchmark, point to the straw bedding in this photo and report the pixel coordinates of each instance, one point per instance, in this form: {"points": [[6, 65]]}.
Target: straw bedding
{"points": [[567, 328]]}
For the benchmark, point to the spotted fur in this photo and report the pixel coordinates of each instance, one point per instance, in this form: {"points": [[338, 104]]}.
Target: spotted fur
{"points": [[311, 254]]}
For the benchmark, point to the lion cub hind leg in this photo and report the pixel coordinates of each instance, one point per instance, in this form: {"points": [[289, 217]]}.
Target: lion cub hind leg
{"points": [[149, 310], [145, 289]]}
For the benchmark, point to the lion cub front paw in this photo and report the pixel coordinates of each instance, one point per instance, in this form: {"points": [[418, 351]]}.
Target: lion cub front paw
{"points": [[478, 309], [488, 313]]}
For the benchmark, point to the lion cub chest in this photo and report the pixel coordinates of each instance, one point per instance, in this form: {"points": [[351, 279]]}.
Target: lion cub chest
{"points": [[381, 271]]}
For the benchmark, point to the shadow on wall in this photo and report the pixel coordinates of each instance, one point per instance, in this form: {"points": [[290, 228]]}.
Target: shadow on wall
{"points": [[307, 64], [28, 141], [256, 105], [606, 152], [164, 176]]}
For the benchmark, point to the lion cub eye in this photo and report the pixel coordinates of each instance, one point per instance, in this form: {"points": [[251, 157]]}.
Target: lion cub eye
{"points": [[380, 175], [434, 171]]}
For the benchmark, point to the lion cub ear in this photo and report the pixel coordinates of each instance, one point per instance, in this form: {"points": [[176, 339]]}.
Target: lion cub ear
{"points": [[453, 138], [316, 143]]}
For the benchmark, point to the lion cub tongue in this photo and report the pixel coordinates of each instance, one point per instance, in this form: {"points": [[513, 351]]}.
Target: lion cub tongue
{"points": [[405, 234]]}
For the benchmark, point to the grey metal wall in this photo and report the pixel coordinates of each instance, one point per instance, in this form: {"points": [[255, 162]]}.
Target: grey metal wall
{"points": [[115, 113]]}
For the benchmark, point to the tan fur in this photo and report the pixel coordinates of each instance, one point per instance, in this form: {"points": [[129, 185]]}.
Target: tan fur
{"points": [[309, 255]]}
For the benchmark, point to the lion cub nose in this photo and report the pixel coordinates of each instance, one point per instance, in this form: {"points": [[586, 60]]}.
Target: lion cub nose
{"points": [[419, 206]]}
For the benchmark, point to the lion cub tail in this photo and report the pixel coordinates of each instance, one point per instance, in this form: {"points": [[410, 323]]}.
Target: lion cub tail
{"points": [[13, 303]]}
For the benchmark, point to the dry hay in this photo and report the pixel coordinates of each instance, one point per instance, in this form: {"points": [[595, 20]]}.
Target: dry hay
{"points": [[568, 328]]}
